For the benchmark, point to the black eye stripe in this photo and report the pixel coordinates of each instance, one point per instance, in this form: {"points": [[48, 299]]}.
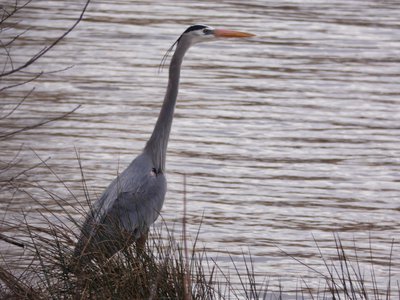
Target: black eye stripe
{"points": [[194, 27]]}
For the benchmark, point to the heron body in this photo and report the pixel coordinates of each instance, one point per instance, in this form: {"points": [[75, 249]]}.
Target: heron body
{"points": [[126, 209], [133, 200]]}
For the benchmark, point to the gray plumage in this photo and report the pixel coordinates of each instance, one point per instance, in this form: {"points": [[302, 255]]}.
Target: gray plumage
{"points": [[133, 200]]}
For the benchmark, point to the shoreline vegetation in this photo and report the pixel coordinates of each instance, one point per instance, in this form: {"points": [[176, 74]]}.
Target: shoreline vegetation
{"points": [[167, 268]]}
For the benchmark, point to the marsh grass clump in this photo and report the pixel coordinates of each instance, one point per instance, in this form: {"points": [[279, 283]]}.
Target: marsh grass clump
{"points": [[166, 268], [55, 272], [346, 275], [49, 268]]}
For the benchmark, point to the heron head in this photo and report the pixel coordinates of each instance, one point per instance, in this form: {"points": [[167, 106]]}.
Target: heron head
{"points": [[202, 33]]}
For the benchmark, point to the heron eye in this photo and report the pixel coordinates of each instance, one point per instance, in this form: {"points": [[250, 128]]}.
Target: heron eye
{"points": [[207, 31]]}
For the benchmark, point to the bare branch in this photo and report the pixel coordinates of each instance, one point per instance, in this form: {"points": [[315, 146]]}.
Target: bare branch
{"points": [[18, 105], [16, 8], [6, 135], [9, 43], [47, 48], [22, 83]]}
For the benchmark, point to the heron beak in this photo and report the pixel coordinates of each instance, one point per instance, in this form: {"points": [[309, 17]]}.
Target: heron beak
{"points": [[231, 34]]}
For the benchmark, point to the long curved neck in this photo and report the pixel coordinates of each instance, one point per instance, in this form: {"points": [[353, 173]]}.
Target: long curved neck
{"points": [[156, 147]]}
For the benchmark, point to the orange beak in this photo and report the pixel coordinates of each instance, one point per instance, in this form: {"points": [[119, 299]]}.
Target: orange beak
{"points": [[231, 34]]}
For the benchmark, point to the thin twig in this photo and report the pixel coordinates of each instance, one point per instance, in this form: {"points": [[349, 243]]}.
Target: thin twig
{"points": [[22, 83], [6, 135], [46, 49], [186, 281], [18, 105]]}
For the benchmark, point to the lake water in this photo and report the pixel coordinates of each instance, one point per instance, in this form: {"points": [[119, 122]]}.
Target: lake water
{"points": [[285, 136]]}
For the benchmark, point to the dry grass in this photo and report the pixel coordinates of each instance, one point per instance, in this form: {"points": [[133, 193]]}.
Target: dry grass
{"points": [[159, 272], [166, 269]]}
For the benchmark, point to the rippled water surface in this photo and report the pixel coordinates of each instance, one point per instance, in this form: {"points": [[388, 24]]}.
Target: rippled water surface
{"points": [[285, 136]]}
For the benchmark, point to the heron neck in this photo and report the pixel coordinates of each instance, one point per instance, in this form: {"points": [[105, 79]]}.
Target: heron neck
{"points": [[156, 147]]}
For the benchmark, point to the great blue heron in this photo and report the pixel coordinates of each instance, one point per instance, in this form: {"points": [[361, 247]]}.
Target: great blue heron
{"points": [[133, 200]]}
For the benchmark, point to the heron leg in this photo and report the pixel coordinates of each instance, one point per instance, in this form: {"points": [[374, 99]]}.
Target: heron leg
{"points": [[141, 242]]}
